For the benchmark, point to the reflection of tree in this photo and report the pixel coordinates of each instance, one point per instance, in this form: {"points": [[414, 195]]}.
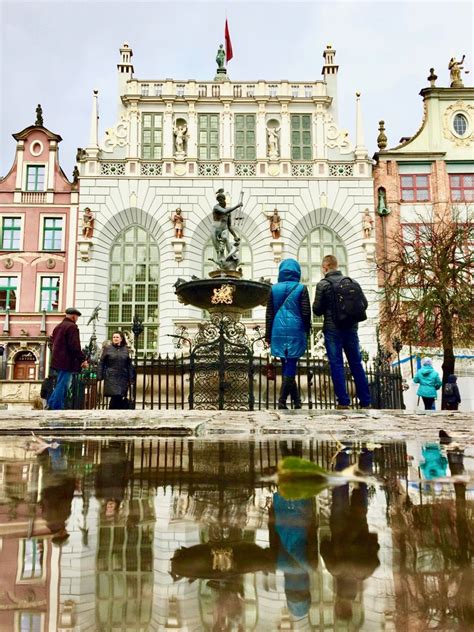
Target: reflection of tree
{"points": [[433, 576]]}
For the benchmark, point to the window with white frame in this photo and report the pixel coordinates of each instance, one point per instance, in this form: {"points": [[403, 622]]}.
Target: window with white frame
{"points": [[152, 136], [8, 293], [272, 90], [158, 87], [245, 141], [145, 89], [35, 177], [11, 233], [29, 621], [49, 293], [301, 143], [52, 238], [32, 551], [208, 145]]}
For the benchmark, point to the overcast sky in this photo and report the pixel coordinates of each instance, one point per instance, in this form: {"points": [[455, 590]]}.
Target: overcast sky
{"points": [[56, 53]]}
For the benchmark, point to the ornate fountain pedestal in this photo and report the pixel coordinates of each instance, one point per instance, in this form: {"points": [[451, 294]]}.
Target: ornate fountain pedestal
{"points": [[221, 354]]}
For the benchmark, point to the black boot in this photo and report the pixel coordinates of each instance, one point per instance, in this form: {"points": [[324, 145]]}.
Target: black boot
{"points": [[295, 394], [284, 392]]}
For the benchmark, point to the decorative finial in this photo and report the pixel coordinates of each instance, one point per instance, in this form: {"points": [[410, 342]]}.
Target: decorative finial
{"points": [[358, 95], [432, 78], [382, 138], [39, 116]]}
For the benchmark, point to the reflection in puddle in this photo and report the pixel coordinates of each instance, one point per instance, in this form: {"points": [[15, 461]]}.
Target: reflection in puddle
{"points": [[176, 534]]}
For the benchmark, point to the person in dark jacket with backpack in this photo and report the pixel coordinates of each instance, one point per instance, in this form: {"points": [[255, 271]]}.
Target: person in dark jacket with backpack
{"points": [[116, 369], [451, 395], [340, 332], [287, 325]]}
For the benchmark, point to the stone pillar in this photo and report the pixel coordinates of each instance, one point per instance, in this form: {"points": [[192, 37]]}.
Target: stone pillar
{"points": [[285, 133], [261, 133]]}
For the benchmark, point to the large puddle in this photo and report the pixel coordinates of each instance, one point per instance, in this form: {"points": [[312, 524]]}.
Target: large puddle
{"points": [[179, 534]]}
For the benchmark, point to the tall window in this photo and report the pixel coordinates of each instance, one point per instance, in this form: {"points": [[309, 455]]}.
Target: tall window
{"points": [[134, 279], [462, 187], [246, 263], [32, 558], [152, 136], [35, 177], [8, 292], [245, 137], [301, 137], [52, 233], [31, 621], [11, 232], [320, 242], [208, 147], [414, 188], [49, 293]]}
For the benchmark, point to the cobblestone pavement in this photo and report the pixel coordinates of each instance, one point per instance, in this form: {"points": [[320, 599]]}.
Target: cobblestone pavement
{"points": [[380, 425]]}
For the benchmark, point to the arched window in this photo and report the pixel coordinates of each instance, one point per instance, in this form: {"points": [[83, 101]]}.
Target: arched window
{"points": [[317, 244], [246, 263], [133, 283]]}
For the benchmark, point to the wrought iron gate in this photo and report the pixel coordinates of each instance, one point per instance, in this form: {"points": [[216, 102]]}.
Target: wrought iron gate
{"points": [[221, 366]]}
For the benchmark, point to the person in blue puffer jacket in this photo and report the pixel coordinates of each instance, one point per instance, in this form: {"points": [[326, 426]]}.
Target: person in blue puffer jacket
{"points": [[429, 382], [287, 325]]}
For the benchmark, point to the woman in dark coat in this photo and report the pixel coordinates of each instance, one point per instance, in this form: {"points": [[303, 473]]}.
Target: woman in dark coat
{"points": [[287, 325], [116, 369]]}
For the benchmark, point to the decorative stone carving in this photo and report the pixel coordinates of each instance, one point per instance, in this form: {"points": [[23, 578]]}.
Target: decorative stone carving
{"points": [[116, 136], [88, 223], [8, 263], [277, 246], [178, 249], [84, 246], [50, 263], [178, 223], [180, 132], [337, 138], [460, 107], [223, 294], [367, 224], [382, 138], [275, 223], [273, 137]]}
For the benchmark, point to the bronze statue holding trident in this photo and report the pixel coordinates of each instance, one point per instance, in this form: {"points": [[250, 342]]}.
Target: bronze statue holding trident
{"points": [[221, 231]]}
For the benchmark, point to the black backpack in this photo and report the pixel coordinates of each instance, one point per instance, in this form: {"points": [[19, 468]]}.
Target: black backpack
{"points": [[349, 303], [449, 389]]}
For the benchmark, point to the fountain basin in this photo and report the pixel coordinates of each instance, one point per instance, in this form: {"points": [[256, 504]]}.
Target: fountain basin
{"points": [[223, 294]]}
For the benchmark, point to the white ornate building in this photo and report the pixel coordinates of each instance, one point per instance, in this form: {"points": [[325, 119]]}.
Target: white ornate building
{"points": [[173, 145]]}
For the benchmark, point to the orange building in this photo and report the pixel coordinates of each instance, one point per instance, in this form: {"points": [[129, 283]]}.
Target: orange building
{"points": [[38, 223]]}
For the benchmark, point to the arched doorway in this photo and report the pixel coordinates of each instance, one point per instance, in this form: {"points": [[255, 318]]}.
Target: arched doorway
{"points": [[24, 365]]}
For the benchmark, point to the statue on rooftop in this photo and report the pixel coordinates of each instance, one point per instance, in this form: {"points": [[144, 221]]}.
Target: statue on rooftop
{"points": [[220, 57], [39, 116], [455, 72]]}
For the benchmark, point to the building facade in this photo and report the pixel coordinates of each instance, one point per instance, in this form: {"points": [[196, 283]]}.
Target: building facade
{"points": [[425, 176], [38, 216], [174, 144]]}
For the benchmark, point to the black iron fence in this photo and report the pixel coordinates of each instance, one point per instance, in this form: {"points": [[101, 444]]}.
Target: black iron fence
{"points": [[168, 382]]}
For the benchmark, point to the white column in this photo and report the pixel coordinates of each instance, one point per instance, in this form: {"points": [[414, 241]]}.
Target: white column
{"points": [[285, 134], [360, 148], [261, 132], [192, 132], [20, 149], [134, 126], [225, 130], [94, 129], [168, 131]]}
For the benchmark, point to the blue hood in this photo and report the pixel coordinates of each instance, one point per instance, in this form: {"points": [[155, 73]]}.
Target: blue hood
{"points": [[289, 270], [452, 379]]}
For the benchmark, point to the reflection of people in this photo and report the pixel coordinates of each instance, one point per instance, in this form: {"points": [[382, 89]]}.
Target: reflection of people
{"points": [[220, 57], [367, 224], [67, 357], [434, 464], [287, 325], [455, 71], [275, 224], [180, 135], [272, 136], [429, 382], [116, 369], [87, 223], [294, 543], [338, 339], [221, 227], [351, 552], [178, 221], [112, 477]]}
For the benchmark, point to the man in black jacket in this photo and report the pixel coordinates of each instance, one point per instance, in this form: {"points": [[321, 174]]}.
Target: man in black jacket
{"points": [[67, 357], [338, 339]]}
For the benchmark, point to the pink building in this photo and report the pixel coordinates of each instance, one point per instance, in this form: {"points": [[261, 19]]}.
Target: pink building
{"points": [[38, 224]]}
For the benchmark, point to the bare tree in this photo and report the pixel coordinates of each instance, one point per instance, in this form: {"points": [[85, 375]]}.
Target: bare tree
{"points": [[427, 290]]}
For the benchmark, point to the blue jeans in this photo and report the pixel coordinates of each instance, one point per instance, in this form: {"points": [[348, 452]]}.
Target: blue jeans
{"points": [[337, 341], [57, 399], [288, 366]]}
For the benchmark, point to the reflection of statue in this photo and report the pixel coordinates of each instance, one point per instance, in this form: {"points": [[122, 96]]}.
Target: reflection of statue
{"points": [[87, 223], [178, 221], [272, 137], [275, 224], [367, 224], [220, 57], [455, 72], [221, 227], [180, 132]]}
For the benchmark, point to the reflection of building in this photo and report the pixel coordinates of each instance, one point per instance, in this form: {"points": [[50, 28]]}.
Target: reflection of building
{"points": [[38, 217], [320, 183]]}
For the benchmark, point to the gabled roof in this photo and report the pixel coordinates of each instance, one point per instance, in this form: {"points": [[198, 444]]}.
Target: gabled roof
{"points": [[27, 131]]}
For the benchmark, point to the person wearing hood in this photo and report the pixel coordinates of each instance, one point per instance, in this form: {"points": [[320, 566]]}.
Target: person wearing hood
{"points": [[116, 369], [287, 326], [451, 395], [429, 382]]}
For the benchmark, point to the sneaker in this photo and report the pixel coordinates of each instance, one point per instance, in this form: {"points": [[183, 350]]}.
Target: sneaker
{"points": [[342, 407]]}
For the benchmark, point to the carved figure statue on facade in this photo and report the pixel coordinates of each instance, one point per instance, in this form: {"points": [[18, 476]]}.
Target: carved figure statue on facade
{"points": [[220, 56], [178, 222], [275, 223], [228, 256], [180, 135], [272, 140], [367, 224], [88, 223], [455, 72]]}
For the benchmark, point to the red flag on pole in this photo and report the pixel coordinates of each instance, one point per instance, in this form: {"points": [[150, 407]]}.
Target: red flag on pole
{"points": [[228, 44]]}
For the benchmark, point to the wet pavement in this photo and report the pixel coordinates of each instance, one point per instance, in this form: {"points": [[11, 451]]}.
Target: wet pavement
{"points": [[195, 532]]}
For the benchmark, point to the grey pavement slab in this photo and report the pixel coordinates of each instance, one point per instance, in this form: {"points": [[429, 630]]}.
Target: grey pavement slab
{"points": [[374, 425]]}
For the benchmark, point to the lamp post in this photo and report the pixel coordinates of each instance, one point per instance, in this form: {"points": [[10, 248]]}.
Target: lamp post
{"points": [[137, 330]]}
